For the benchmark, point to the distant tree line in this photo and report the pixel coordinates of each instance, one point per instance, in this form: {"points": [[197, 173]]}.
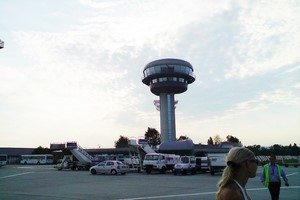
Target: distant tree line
{"points": [[41, 150], [276, 149], [151, 135], [218, 140], [153, 138]]}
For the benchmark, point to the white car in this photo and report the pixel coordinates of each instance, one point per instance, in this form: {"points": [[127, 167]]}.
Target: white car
{"points": [[110, 167]]}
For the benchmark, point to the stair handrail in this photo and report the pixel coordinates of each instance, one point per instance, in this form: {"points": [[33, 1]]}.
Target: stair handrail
{"points": [[84, 152]]}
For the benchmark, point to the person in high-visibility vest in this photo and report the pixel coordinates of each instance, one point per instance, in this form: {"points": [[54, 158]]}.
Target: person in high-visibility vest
{"points": [[271, 177]]}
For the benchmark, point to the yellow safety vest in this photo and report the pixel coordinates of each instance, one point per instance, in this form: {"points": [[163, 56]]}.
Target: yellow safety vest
{"points": [[267, 174]]}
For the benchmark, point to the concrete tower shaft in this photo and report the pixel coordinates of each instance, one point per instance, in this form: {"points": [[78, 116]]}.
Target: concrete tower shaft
{"points": [[167, 77]]}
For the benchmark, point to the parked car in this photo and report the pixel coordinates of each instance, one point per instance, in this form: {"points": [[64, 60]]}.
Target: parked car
{"points": [[110, 167]]}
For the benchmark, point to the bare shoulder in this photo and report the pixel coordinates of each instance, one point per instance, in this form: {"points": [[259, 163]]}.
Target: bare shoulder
{"points": [[230, 192]]}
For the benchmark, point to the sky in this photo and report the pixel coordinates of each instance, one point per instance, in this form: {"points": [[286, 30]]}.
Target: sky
{"points": [[71, 70]]}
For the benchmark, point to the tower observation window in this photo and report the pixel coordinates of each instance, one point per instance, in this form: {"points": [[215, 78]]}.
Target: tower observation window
{"points": [[163, 79], [168, 69], [164, 69], [157, 69], [152, 71]]}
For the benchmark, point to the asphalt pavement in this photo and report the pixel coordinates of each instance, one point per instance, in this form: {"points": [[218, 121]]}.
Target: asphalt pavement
{"points": [[44, 182]]}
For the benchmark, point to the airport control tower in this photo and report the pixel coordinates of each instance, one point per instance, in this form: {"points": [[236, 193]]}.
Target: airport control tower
{"points": [[167, 77]]}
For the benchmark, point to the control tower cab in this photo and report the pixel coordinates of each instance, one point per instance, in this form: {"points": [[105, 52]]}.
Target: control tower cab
{"points": [[167, 77]]}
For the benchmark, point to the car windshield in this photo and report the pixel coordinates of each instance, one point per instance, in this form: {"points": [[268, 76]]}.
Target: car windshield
{"points": [[102, 164], [119, 163], [185, 160]]}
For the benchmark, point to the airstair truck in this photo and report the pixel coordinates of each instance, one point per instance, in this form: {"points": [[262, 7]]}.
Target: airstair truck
{"points": [[68, 163], [160, 162], [84, 159]]}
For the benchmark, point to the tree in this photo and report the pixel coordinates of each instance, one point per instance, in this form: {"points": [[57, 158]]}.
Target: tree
{"points": [[276, 149], [183, 137], [295, 150], [210, 141], [232, 139], [122, 142], [153, 137], [217, 139], [41, 150], [255, 149]]}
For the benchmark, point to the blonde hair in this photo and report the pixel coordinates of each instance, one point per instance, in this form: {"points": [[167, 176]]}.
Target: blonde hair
{"points": [[235, 157]]}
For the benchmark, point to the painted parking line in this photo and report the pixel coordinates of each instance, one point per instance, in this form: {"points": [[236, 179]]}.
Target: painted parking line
{"points": [[170, 196], [2, 177], [198, 194], [264, 188], [23, 167], [292, 174]]}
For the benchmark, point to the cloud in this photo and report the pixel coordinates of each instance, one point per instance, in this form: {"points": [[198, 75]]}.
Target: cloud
{"points": [[86, 75], [281, 97], [91, 60], [268, 38], [264, 101]]}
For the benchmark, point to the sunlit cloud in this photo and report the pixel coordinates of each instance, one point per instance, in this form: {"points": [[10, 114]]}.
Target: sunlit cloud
{"points": [[85, 78], [268, 39]]}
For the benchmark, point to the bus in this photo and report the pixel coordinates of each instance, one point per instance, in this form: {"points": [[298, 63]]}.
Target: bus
{"points": [[3, 159], [37, 159]]}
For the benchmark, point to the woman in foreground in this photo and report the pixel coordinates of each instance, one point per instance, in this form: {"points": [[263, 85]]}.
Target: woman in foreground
{"points": [[241, 165]]}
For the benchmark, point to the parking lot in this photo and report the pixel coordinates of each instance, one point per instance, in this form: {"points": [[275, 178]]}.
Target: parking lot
{"points": [[45, 182]]}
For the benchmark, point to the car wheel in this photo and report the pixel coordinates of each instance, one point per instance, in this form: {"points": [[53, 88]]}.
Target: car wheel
{"points": [[194, 171], [93, 171], [113, 172], [163, 170]]}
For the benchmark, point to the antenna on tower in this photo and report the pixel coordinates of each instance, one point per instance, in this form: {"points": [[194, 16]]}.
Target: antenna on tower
{"points": [[1, 44], [157, 104]]}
